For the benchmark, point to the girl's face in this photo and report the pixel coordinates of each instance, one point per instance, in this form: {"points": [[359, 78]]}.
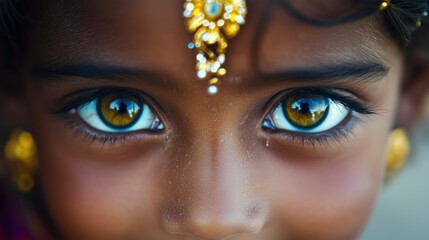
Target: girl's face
{"points": [[131, 146]]}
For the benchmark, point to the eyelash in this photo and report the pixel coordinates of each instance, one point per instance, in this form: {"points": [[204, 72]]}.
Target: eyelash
{"points": [[344, 131], [80, 99], [93, 136], [335, 135]]}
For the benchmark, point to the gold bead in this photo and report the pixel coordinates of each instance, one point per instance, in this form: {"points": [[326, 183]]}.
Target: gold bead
{"points": [[419, 23], [384, 5], [214, 81], [231, 29], [194, 23], [221, 72]]}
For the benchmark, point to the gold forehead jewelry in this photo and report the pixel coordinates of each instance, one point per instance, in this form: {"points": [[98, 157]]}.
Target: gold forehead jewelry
{"points": [[385, 4], [213, 22]]}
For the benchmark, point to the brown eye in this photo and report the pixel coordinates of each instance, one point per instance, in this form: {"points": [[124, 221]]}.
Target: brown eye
{"points": [[303, 112], [119, 111], [306, 111]]}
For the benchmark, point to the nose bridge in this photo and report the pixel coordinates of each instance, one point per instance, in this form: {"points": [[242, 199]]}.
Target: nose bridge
{"points": [[221, 179], [217, 201]]}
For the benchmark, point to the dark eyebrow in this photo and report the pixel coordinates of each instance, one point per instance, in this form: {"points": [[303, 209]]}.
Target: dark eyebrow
{"points": [[356, 72], [91, 71], [346, 72]]}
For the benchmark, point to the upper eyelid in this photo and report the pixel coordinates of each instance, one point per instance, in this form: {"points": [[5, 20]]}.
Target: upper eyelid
{"points": [[337, 95], [80, 98]]}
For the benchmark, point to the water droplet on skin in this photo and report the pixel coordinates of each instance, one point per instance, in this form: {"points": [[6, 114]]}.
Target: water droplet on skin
{"points": [[267, 143]]}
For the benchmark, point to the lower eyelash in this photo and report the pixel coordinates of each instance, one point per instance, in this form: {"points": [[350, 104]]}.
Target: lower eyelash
{"points": [[92, 136], [325, 139]]}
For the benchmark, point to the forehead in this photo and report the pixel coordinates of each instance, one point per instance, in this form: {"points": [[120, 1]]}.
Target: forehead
{"points": [[151, 34]]}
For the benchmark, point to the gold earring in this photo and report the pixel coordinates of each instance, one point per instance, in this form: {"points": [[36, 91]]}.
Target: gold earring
{"points": [[20, 150], [398, 152]]}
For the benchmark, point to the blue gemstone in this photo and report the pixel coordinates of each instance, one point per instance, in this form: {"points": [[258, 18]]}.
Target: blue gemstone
{"points": [[213, 9]]}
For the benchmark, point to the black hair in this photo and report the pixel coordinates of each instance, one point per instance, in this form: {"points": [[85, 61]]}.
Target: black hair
{"points": [[406, 17]]}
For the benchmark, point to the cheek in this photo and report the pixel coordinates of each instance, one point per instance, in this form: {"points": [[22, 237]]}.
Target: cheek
{"points": [[315, 193], [328, 192], [95, 191], [311, 198], [87, 197]]}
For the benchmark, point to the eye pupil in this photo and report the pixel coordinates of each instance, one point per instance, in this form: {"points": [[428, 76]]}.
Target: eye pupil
{"points": [[119, 112], [304, 108], [306, 111], [123, 108]]}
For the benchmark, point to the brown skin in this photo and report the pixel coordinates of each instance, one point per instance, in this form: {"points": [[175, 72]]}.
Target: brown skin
{"points": [[214, 173]]}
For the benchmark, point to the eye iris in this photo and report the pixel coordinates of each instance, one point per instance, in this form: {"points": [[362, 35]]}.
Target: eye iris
{"points": [[306, 111], [119, 112]]}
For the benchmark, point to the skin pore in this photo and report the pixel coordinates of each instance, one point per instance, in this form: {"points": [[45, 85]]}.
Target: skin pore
{"points": [[214, 172]]}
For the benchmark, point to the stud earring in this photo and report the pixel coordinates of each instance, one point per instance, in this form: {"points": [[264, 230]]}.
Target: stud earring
{"points": [[213, 22], [398, 152], [20, 151]]}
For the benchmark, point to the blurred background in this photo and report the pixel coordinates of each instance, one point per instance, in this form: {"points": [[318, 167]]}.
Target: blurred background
{"points": [[402, 211]]}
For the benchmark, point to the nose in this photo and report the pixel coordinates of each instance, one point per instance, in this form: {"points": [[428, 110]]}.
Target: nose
{"points": [[215, 199]]}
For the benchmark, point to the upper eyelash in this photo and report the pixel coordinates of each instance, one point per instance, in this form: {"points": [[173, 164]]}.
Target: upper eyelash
{"points": [[325, 138], [80, 99], [330, 136], [334, 94]]}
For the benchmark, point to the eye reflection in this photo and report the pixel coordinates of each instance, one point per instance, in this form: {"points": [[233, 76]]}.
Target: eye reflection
{"points": [[306, 113], [119, 114]]}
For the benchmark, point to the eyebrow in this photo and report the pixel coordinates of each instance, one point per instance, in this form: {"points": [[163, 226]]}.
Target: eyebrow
{"points": [[345, 72], [62, 72]]}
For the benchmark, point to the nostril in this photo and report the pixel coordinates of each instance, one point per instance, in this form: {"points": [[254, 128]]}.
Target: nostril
{"points": [[173, 214], [254, 211]]}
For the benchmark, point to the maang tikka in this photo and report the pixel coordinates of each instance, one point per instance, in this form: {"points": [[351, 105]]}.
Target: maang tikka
{"points": [[213, 22]]}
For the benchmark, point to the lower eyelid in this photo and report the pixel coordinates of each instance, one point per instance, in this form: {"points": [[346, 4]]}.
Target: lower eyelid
{"points": [[88, 134], [334, 137]]}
